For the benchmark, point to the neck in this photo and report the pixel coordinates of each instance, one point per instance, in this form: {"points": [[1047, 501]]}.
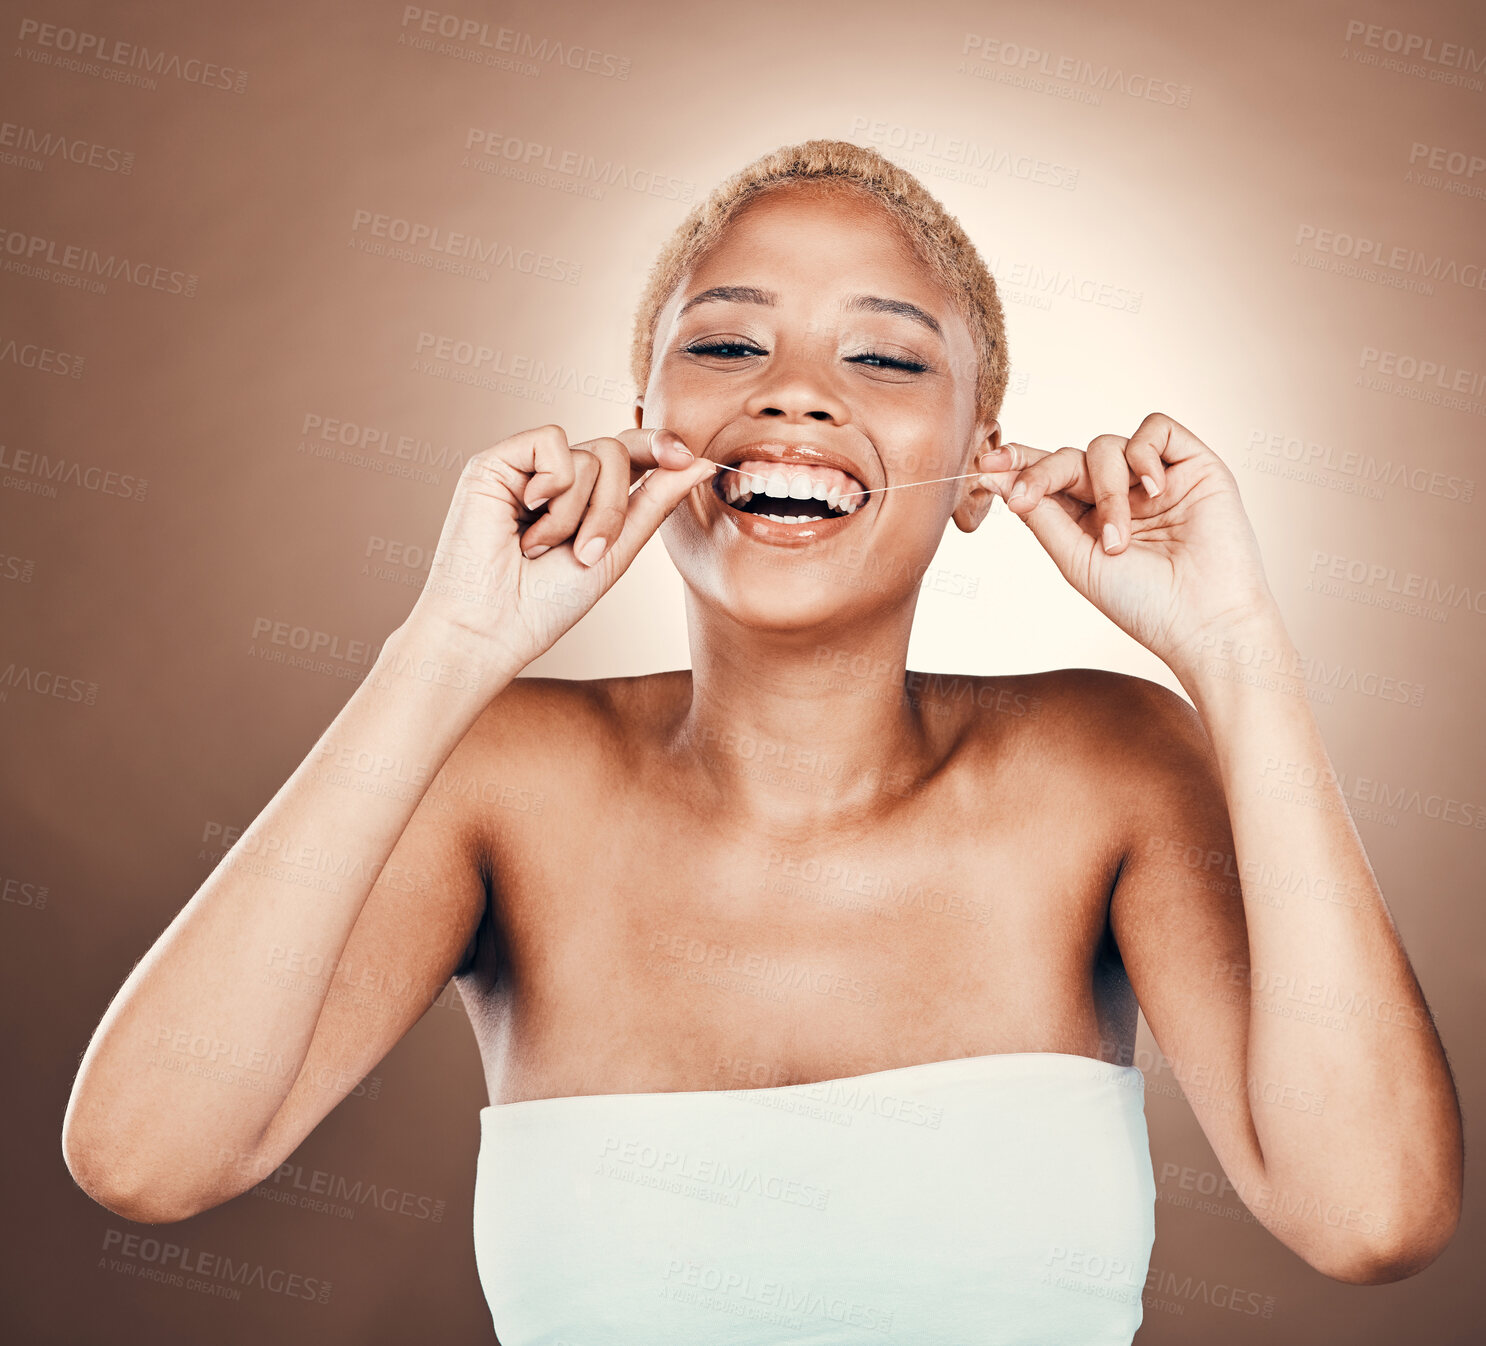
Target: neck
{"points": [[795, 726]]}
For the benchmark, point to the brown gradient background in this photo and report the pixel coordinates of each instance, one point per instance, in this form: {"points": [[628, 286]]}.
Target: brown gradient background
{"points": [[1197, 209]]}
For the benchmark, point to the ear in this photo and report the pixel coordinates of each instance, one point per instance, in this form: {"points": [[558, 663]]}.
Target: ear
{"points": [[975, 499], [639, 413]]}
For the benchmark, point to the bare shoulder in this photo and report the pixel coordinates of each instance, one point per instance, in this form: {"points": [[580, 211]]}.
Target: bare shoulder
{"points": [[530, 707], [1106, 709], [1134, 729], [535, 719], [548, 736], [1143, 746], [1103, 734], [537, 707]]}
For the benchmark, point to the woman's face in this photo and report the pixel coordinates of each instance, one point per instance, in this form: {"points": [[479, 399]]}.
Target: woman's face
{"points": [[811, 348]]}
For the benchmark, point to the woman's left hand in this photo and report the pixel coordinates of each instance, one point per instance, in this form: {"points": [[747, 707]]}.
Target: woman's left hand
{"points": [[1149, 529]]}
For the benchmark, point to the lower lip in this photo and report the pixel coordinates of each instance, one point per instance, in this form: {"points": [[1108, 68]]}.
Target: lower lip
{"points": [[777, 534]]}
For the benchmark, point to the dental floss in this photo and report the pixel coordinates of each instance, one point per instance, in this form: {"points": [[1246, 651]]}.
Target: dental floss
{"points": [[964, 476]]}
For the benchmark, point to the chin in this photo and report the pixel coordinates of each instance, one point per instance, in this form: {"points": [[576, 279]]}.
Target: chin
{"points": [[788, 591]]}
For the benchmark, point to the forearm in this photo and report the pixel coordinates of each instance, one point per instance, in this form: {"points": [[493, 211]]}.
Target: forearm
{"points": [[200, 1047], [1352, 1102]]}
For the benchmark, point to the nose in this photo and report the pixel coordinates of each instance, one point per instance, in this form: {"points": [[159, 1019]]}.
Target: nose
{"points": [[796, 388]]}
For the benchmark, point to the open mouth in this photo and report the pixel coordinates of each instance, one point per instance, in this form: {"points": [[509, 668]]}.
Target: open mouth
{"points": [[795, 493]]}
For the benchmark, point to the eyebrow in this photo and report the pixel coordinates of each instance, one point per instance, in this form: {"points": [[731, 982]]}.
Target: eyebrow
{"points": [[857, 303]]}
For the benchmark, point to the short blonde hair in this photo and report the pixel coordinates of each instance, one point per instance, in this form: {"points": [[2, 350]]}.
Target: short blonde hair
{"points": [[933, 234]]}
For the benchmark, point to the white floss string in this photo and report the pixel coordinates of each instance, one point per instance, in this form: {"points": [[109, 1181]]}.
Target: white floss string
{"points": [[902, 485]]}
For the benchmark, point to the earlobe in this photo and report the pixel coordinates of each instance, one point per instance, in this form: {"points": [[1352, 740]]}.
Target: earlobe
{"points": [[970, 513]]}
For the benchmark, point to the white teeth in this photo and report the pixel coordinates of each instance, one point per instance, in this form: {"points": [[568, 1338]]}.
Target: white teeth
{"points": [[750, 487]]}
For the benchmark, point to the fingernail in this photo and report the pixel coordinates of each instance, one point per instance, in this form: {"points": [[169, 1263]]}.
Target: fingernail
{"points": [[538, 502], [1018, 491], [985, 479], [1111, 537], [669, 439], [538, 550], [1150, 486], [591, 550]]}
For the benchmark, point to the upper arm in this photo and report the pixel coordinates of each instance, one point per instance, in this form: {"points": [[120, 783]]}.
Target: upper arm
{"points": [[1177, 916], [411, 936]]}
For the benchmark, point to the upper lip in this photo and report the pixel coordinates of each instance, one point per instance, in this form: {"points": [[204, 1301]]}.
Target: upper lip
{"points": [[783, 451]]}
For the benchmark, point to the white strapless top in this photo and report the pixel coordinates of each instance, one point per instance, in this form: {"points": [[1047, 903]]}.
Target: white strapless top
{"points": [[1003, 1200]]}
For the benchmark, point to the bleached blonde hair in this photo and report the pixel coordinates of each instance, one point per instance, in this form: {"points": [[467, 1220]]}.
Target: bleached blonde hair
{"points": [[933, 234]]}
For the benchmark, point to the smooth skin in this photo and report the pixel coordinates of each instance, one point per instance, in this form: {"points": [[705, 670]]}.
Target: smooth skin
{"points": [[614, 869]]}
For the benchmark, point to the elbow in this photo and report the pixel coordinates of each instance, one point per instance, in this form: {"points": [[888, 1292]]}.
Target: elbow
{"points": [[1405, 1249], [134, 1202], [1376, 1266], [1394, 1226], [140, 1202], [144, 1207], [130, 1196]]}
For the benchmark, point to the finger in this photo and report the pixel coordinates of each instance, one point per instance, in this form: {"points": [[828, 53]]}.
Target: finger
{"points": [[565, 509], [1157, 442], [1145, 463], [1062, 470], [1012, 456], [648, 505], [607, 502], [1009, 458], [545, 454], [998, 467], [1056, 526], [539, 456], [655, 446], [1109, 479]]}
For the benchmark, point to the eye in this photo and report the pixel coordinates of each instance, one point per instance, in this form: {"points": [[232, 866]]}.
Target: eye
{"points": [[742, 350], [890, 362], [726, 350]]}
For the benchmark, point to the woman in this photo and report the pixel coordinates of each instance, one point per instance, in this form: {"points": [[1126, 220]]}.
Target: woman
{"points": [[807, 996]]}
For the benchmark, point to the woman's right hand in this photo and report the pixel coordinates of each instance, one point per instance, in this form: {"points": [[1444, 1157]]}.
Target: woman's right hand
{"points": [[539, 529]]}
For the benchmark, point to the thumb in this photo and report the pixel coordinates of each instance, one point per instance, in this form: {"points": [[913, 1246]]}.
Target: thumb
{"points": [[654, 446], [651, 501]]}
